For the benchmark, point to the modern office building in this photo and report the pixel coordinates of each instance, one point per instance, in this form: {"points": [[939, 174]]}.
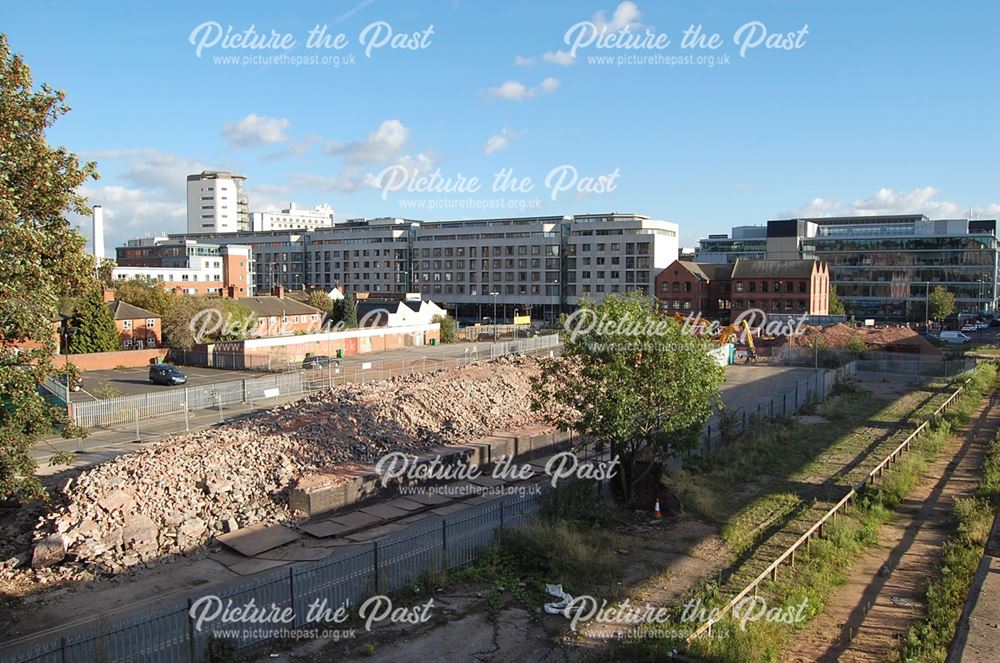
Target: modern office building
{"points": [[217, 202], [292, 218], [187, 266], [884, 267], [745, 242], [541, 265]]}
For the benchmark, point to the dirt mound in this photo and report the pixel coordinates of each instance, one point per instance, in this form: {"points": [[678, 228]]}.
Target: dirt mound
{"points": [[839, 335], [181, 492]]}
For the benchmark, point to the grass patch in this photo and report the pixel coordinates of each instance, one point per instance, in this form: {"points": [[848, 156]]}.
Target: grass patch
{"points": [[570, 543], [818, 570]]}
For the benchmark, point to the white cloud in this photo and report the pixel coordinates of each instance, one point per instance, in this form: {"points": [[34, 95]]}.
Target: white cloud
{"points": [[500, 141], [380, 146], [886, 201], [521, 61], [518, 91], [256, 130], [626, 15], [559, 57], [296, 149]]}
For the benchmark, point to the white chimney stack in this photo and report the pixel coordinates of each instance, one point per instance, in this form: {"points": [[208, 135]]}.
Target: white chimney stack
{"points": [[98, 234]]}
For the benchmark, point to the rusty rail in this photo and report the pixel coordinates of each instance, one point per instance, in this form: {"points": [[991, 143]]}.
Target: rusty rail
{"points": [[817, 527]]}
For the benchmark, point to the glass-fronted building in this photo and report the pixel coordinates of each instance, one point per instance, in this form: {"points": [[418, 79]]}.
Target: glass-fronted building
{"points": [[884, 267]]}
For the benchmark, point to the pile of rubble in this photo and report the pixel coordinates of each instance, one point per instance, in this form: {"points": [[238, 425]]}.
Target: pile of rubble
{"points": [[183, 491], [839, 335]]}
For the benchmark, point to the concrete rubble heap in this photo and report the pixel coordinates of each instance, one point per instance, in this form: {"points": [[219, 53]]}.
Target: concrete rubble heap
{"points": [[179, 493]]}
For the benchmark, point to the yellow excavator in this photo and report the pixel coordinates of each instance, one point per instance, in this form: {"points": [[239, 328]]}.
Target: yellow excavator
{"points": [[738, 334]]}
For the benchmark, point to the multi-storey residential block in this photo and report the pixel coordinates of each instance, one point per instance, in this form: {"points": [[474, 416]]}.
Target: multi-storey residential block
{"points": [[217, 202], [292, 218], [541, 265], [187, 266]]}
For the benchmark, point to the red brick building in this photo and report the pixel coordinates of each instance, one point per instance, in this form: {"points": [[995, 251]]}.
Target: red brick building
{"points": [[138, 328], [688, 287], [723, 291], [280, 316]]}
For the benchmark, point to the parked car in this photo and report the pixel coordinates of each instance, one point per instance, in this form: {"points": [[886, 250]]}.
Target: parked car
{"points": [[982, 324], [969, 327], [166, 374], [317, 361], [954, 337]]}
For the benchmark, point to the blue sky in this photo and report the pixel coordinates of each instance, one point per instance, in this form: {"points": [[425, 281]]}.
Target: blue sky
{"points": [[883, 107]]}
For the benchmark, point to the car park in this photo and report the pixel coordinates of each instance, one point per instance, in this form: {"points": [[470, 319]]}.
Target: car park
{"points": [[166, 374]]}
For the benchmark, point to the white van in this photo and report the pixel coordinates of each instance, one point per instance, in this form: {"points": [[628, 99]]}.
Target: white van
{"points": [[954, 337]]}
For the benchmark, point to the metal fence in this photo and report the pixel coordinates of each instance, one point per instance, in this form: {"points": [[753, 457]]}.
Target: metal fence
{"points": [[180, 402], [168, 634], [520, 346], [920, 367], [788, 556], [726, 425]]}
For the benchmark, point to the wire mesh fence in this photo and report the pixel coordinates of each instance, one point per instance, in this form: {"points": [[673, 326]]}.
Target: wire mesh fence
{"points": [[171, 634]]}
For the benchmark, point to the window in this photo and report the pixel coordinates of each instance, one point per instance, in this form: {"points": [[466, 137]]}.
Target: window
{"points": [[739, 286], [127, 344], [126, 324], [150, 322]]}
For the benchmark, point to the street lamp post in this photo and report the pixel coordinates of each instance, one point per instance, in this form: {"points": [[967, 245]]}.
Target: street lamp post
{"points": [[494, 295]]}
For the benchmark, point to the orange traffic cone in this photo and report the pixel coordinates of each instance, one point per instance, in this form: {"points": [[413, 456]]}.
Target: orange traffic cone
{"points": [[656, 510]]}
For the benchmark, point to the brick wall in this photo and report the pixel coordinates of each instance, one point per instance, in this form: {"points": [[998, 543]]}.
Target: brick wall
{"points": [[97, 361]]}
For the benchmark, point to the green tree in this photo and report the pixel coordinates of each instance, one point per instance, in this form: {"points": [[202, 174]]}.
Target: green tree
{"points": [[146, 293], [350, 312], [447, 327], [940, 303], [836, 307], [42, 259], [191, 320], [93, 325], [104, 272], [318, 299], [634, 382]]}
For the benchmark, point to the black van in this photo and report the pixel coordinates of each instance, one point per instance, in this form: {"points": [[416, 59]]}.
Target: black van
{"points": [[166, 374]]}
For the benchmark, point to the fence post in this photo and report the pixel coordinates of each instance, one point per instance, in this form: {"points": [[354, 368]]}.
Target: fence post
{"points": [[501, 513], [375, 565], [190, 633], [444, 543], [138, 437], [291, 594]]}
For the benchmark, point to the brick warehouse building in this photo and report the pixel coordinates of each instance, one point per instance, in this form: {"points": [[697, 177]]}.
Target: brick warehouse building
{"points": [[719, 291]]}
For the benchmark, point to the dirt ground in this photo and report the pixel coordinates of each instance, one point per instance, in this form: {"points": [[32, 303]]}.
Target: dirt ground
{"points": [[868, 617], [661, 561]]}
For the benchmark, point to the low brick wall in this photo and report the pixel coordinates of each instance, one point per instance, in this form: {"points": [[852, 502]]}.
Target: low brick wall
{"points": [[97, 361], [349, 485]]}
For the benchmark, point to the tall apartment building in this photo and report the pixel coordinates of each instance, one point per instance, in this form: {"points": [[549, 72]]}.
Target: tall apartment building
{"points": [[217, 202], [883, 267], [545, 264], [187, 266], [292, 218]]}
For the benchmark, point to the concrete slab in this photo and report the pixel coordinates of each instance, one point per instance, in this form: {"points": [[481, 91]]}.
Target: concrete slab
{"points": [[375, 532], [253, 540], [295, 554], [405, 504], [355, 520], [429, 499], [384, 511], [251, 566], [451, 508], [322, 529]]}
